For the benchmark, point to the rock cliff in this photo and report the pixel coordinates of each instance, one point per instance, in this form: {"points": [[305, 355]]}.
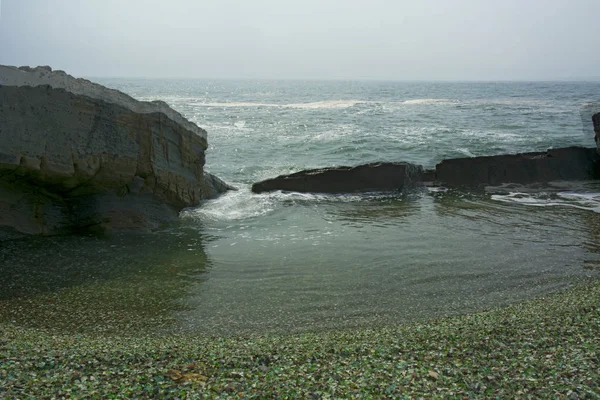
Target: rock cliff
{"points": [[76, 155]]}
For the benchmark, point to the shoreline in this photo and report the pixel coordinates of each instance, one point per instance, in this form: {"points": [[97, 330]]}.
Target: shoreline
{"points": [[544, 347]]}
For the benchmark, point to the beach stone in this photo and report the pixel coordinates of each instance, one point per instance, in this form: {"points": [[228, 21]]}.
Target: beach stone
{"points": [[362, 178], [563, 164], [75, 155]]}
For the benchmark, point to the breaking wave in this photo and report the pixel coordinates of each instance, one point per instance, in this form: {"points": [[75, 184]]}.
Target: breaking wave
{"points": [[428, 101], [329, 104], [582, 201]]}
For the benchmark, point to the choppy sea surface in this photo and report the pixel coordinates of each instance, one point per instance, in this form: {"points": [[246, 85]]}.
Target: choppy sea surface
{"points": [[281, 262]]}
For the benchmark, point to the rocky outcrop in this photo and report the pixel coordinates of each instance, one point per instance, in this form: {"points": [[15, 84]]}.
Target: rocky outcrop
{"points": [[564, 164], [26, 76], [76, 155], [362, 178], [596, 121]]}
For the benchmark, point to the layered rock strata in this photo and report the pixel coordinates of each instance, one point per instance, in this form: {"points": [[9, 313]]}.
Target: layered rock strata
{"points": [[75, 155]]}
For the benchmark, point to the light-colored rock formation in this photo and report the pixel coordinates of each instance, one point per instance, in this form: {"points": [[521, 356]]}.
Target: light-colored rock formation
{"points": [[26, 76], [76, 155]]}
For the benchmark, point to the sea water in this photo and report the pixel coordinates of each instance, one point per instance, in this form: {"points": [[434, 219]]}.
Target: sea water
{"points": [[281, 262]]}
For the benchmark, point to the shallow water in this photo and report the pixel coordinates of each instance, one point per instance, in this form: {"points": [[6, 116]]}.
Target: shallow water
{"points": [[312, 262], [281, 262], [327, 262]]}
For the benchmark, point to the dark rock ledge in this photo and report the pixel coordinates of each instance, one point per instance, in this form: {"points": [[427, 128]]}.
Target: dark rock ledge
{"points": [[362, 178], [564, 164]]}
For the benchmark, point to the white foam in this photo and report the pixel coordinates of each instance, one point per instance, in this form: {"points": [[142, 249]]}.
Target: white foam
{"points": [[231, 206], [340, 131], [465, 151], [582, 201], [428, 101], [318, 197], [234, 104], [437, 189], [241, 126], [243, 204], [327, 104], [490, 102]]}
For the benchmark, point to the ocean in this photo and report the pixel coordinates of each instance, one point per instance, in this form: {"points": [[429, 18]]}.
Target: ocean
{"points": [[287, 262]]}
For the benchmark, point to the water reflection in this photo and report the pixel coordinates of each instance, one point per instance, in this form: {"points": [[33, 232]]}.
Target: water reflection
{"points": [[109, 284], [325, 263], [551, 218], [378, 210], [592, 224]]}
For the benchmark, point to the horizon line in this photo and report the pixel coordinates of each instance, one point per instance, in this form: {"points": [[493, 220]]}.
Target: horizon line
{"points": [[502, 80]]}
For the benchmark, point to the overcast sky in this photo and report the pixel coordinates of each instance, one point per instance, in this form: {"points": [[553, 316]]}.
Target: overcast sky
{"points": [[307, 39]]}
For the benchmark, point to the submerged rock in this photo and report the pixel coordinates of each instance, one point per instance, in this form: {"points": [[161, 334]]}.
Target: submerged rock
{"points": [[76, 155], [563, 164], [362, 178]]}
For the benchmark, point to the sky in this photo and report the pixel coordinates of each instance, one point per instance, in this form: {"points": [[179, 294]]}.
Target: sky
{"points": [[306, 39]]}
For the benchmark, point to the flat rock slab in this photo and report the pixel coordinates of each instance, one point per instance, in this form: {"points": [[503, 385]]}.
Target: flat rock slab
{"points": [[362, 178], [564, 164]]}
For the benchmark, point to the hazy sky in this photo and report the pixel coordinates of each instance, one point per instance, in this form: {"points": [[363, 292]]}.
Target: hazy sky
{"points": [[307, 39]]}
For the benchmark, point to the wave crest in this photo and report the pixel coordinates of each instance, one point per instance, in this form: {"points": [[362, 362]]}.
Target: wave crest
{"points": [[582, 201], [327, 104]]}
